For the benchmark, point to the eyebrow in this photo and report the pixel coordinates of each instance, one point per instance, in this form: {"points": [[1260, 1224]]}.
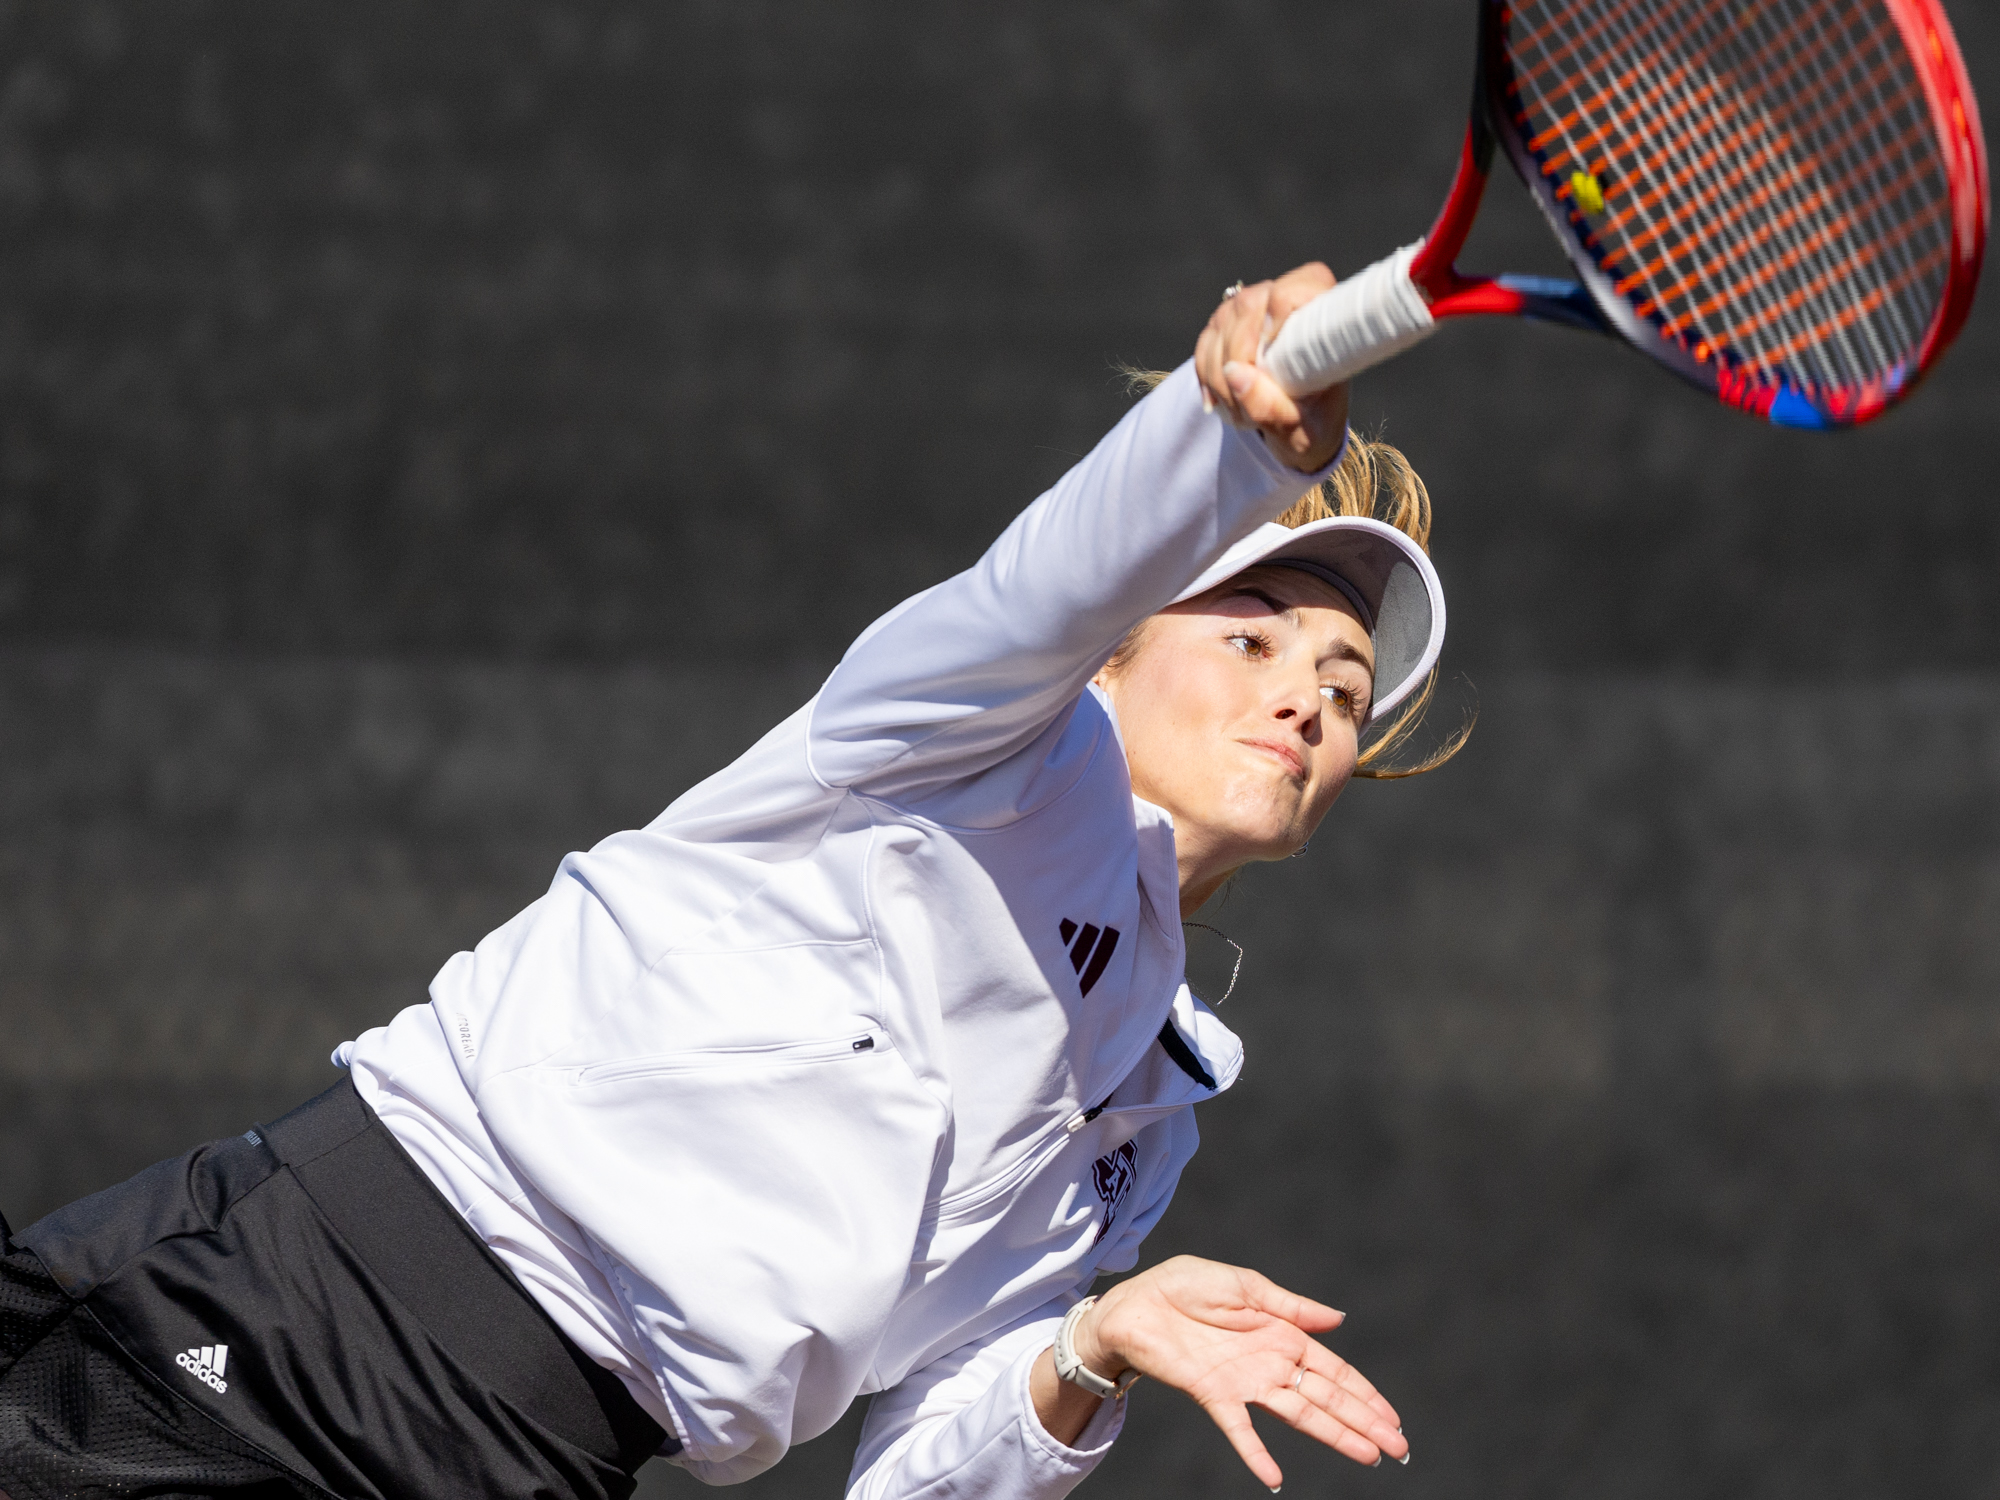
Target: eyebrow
{"points": [[1289, 611], [1341, 649], [1350, 653]]}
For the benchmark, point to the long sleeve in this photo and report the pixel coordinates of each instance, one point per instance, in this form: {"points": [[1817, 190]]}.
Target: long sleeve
{"points": [[964, 1422], [964, 1425], [966, 674]]}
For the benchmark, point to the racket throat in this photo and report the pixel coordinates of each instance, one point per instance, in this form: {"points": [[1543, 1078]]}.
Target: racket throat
{"points": [[1434, 270], [1453, 294]]}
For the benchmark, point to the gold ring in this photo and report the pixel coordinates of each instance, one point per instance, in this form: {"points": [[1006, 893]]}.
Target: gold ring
{"points": [[1231, 291]]}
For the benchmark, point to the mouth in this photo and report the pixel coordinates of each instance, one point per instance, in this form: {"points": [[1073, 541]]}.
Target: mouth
{"points": [[1283, 754]]}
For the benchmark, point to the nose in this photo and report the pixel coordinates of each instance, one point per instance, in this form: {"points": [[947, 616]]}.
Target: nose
{"points": [[1298, 705]]}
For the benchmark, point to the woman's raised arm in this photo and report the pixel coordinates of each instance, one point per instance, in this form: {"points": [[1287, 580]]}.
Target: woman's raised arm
{"points": [[971, 671]]}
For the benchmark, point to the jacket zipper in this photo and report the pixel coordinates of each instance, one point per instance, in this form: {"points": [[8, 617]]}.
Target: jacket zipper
{"points": [[979, 1197], [1077, 1122], [1137, 1111]]}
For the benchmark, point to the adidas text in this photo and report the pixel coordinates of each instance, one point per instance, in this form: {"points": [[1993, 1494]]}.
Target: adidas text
{"points": [[206, 1365]]}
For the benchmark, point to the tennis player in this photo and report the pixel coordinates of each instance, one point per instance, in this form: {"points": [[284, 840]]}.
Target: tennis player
{"points": [[847, 1075]]}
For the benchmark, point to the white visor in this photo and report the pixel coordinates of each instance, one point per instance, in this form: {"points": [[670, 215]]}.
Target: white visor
{"points": [[1384, 574]]}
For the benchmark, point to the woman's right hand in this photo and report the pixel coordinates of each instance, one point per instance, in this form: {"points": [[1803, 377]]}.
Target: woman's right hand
{"points": [[1305, 432], [1233, 1339]]}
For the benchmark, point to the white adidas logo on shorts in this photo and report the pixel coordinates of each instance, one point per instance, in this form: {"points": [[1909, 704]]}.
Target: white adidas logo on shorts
{"points": [[206, 1365]]}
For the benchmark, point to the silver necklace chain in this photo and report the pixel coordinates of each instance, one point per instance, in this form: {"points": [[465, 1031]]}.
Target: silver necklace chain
{"points": [[1233, 973]]}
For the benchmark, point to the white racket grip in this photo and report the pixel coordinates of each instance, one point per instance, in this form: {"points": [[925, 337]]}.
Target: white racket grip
{"points": [[1360, 322]]}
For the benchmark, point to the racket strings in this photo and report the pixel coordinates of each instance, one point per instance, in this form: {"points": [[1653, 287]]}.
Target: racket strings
{"points": [[1674, 185], [1833, 100], [1785, 249], [1771, 195], [1658, 229], [1809, 258], [1785, 219]]}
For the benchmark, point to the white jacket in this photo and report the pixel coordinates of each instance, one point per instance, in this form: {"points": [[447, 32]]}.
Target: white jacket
{"points": [[846, 1074]]}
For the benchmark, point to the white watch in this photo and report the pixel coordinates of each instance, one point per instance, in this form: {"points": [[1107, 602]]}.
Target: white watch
{"points": [[1075, 1371]]}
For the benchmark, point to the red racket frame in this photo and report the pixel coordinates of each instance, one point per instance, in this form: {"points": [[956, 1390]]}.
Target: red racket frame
{"points": [[1592, 303]]}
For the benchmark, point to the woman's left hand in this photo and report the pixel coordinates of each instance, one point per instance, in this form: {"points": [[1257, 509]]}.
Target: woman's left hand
{"points": [[1305, 432], [1231, 1339]]}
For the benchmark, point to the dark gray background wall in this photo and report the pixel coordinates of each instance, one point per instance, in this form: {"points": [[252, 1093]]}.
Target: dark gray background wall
{"points": [[432, 436]]}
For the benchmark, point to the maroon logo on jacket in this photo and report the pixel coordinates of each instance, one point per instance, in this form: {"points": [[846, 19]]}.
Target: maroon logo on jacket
{"points": [[1114, 1174]]}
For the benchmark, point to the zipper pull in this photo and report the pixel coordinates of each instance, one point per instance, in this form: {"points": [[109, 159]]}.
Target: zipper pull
{"points": [[866, 1044], [1077, 1122]]}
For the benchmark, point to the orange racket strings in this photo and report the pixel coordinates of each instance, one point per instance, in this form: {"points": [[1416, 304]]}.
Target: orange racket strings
{"points": [[1803, 204], [1769, 187]]}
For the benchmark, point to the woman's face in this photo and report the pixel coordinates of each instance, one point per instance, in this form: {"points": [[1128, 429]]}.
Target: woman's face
{"points": [[1241, 710]]}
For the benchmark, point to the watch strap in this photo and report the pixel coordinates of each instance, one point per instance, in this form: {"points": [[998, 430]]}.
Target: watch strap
{"points": [[1075, 1371]]}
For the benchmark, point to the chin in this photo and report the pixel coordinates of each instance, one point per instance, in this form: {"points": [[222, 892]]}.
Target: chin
{"points": [[1283, 848], [1269, 839], [1265, 822], [1281, 838]]}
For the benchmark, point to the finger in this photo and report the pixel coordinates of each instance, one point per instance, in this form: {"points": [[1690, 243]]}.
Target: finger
{"points": [[1262, 404], [1245, 330], [1211, 356], [1234, 1420], [1217, 345], [1265, 1294], [1296, 1411], [1234, 327], [1323, 1362], [1353, 1411], [1208, 368], [1295, 289]]}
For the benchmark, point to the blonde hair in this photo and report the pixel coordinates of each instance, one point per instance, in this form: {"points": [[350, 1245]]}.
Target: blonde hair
{"points": [[1373, 478]]}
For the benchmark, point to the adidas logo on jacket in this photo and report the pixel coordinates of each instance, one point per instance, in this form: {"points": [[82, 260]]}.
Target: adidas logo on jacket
{"points": [[206, 1364]]}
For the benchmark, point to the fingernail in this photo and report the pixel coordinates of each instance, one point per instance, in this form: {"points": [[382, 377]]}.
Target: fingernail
{"points": [[1239, 376], [1405, 1458], [1275, 1488], [1378, 1462], [1207, 401]]}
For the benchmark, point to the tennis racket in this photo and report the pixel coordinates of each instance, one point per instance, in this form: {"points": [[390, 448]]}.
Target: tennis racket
{"points": [[1782, 201]]}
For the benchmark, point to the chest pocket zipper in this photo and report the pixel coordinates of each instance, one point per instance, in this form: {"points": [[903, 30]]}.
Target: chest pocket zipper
{"points": [[662, 1064]]}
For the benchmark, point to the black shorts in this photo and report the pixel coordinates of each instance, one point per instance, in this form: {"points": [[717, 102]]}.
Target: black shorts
{"points": [[292, 1312]]}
